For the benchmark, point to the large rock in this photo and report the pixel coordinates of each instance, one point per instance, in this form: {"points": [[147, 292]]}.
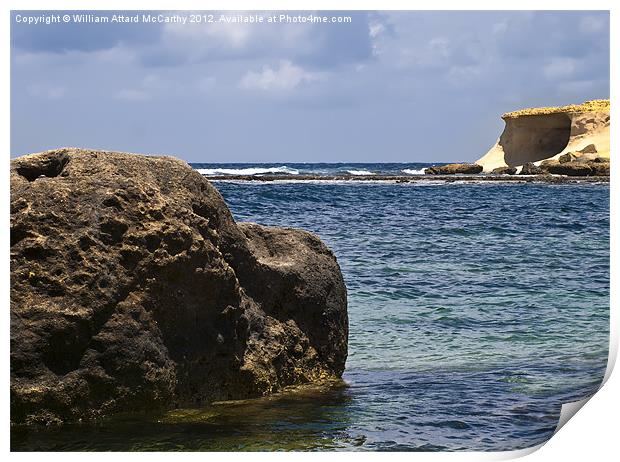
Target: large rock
{"points": [[587, 154], [504, 171], [596, 167], [535, 134], [452, 169], [132, 288], [531, 169]]}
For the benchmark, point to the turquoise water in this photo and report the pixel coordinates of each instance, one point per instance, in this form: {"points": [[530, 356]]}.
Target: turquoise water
{"points": [[475, 311]]}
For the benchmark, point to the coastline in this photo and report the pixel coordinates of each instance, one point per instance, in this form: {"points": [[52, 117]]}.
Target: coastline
{"points": [[548, 179]]}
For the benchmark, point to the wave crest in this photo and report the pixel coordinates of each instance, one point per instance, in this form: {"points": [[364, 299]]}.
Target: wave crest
{"points": [[410, 171], [283, 170]]}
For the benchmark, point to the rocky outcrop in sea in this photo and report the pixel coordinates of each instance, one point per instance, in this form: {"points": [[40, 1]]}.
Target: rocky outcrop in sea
{"points": [[575, 133], [454, 169], [134, 289]]}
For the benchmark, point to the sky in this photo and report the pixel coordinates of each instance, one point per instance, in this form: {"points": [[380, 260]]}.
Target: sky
{"points": [[426, 86]]}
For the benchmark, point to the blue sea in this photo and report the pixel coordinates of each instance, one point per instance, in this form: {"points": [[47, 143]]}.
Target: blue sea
{"points": [[475, 311], [325, 169]]}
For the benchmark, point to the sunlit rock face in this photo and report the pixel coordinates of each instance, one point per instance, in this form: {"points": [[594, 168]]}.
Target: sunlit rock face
{"points": [[534, 135]]}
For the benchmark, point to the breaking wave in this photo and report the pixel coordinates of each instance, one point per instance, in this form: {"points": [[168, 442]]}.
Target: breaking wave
{"points": [[359, 172], [409, 171], [283, 170]]}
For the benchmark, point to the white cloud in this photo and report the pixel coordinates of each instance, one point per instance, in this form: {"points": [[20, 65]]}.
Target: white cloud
{"points": [[375, 28], [560, 68], [286, 77], [218, 40], [234, 35]]}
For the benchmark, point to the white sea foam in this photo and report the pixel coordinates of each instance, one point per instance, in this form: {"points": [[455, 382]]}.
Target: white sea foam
{"points": [[410, 171], [359, 172], [248, 171]]}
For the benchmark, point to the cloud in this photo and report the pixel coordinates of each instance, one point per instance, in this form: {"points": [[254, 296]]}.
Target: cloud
{"points": [[286, 77], [359, 85], [318, 45], [64, 37]]}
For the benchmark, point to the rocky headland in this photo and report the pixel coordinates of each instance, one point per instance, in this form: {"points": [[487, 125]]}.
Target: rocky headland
{"points": [[134, 289], [569, 140]]}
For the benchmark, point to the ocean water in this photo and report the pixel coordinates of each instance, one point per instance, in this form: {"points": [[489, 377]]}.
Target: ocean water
{"points": [[475, 311], [355, 169]]}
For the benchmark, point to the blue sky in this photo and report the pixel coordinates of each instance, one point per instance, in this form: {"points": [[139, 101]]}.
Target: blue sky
{"points": [[387, 87]]}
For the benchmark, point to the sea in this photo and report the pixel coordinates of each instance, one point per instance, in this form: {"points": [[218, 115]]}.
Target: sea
{"points": [[476, 310], [318, 169]]}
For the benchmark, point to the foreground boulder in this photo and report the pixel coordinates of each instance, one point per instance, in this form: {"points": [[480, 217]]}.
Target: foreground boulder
{"points": [[132, 288], [453, 169]]}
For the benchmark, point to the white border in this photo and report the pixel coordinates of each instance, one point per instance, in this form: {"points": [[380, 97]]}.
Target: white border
{"points": [[592, 435]]}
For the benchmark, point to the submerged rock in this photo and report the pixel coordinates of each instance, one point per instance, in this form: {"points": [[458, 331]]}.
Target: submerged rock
{"points": [[133, 289], [452, 169]]}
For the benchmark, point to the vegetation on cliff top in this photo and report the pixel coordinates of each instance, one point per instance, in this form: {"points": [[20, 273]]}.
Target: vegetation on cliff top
{"points": [[588, 106]]}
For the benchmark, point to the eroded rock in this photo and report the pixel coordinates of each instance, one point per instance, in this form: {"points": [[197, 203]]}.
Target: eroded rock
{"points": [[536, 134], [132, 288]]}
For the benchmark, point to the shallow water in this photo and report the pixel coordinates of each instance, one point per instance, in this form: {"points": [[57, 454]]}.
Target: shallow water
{"points": [[475, 311]]}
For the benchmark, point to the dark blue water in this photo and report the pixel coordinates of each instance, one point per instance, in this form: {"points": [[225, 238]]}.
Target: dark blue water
{"points": [[475, 311], [279, 168]]}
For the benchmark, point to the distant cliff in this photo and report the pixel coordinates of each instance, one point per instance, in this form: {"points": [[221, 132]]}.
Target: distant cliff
{"points": [[537, 134]]}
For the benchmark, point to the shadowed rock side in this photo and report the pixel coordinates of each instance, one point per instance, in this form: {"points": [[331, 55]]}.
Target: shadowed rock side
{"points": [[132, 288], [534, 135]]}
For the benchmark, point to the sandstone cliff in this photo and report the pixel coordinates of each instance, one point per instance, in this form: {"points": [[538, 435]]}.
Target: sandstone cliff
{"points": [[132, 289], [534, 135]]}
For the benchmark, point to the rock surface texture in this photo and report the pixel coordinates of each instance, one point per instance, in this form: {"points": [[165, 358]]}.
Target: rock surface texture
{"points": [[557, 133], [132, 289], [596, 167], [504, 171], [453, 169], [531, 169]]}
